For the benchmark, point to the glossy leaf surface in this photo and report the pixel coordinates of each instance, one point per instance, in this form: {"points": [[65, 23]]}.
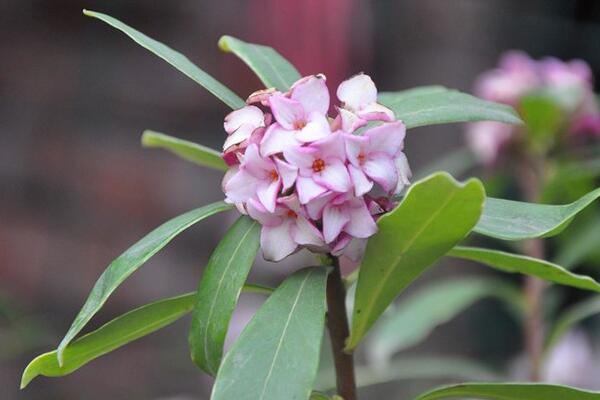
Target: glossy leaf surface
{"points": [[128, 262], [218, 292], [515, 263], [509, 391], [122, 330], [190, 151], [516, 220], [270, 66], [430, 105], [436, 213], [277, 354]]}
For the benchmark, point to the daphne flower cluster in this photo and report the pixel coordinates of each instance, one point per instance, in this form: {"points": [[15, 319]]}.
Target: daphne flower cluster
{"points": [[569, 84], [311, 180]]}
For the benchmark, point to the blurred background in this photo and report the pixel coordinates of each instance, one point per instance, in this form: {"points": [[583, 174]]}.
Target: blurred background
{"points": [[76, 188]]}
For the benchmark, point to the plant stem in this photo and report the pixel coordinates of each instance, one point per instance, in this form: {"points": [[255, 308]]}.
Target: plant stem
{"points": [[530, 178], [337, 324]]}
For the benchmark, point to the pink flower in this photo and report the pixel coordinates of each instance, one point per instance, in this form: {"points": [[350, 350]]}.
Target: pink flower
{"points": [[260, 177], [284, 229], [342, 213], [240, 124], [300, 118], [557, 73], [305, 177], [359, 96], [516, 75], [372, 156], [321, 167], [486, 139]]}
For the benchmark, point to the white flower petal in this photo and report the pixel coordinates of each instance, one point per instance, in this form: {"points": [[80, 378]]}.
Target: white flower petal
{"points": [[381, 168], [360, 181], [249, 115], [361, 223], [267, 194], [288, 173], [317, 128], [312, 93], [276, 140], [308, 189], [357, 92], [286, 111], [277, 242], [334, 221], [334, 176], [305, 233]]}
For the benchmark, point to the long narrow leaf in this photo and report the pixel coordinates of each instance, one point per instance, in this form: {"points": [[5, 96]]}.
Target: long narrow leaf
{"points": [[516, 220], [277, 355], [176, 59], [431, 105], [516, 263], [190, 151], [270, 66], [128, 262], [218, 292], [510, 391], [435, 214], [115, 334]]}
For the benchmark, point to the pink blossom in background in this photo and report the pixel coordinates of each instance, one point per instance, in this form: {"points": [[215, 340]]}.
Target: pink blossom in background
{"points": [[308, 177], [569, 84]]}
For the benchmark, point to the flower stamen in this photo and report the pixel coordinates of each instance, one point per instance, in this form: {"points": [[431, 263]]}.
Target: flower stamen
{"points": [[292, 214], [318, 165], [273, 175], [299, 124]]}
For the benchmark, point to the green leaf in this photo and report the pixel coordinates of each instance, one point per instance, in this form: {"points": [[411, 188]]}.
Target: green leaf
{"points": [[128, 262], [413, 319], [277, 355], [435, 214], [543, 119], [116, 333], [270, 66], [573, 315], [515, 263], [510, 391], [516, 220], [187, 150], [319, 396], [176, 59], [432, 105], [218, 292], [412, 368]]}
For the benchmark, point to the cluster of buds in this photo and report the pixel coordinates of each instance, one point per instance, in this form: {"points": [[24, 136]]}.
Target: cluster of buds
{"points": [[568, 84], [310, 180]]}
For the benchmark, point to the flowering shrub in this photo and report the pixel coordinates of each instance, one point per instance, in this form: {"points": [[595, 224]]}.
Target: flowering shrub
{"points": [[307, 178], [301, 179], [517, 81]]}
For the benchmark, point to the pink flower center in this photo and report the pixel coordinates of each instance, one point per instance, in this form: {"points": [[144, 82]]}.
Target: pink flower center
{"points": [[273, 175], [318, 165], [299, 124], [292, 214]]}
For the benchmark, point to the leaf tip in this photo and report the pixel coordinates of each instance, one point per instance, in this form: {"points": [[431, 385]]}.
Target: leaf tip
{"points": [[28, 375], [88, 13], [223, 43], [148, 138]]}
